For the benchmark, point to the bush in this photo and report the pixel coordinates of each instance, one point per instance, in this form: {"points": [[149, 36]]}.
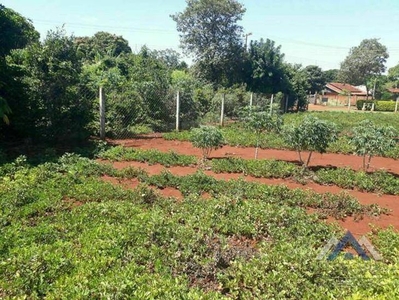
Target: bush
{"points": [[359, 104], [207, 138], [311, 134], [370, 140], [380, 105], [385, 105]]}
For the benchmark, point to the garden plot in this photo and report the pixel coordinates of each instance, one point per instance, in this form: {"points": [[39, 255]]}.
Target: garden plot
{"points": [[367, 192]]}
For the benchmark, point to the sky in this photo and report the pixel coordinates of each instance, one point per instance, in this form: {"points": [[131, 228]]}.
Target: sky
{"points": [[310, 32]]}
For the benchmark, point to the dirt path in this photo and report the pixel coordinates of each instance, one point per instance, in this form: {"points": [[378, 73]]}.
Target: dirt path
{"points": [[328, 159]]}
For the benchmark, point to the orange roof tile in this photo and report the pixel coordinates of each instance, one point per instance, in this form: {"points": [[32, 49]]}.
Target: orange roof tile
{"points": [[340, 87]]}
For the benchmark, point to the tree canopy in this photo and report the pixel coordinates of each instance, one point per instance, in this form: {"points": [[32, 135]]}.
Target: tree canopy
{"points": [[331, 75], [102, 44], [316, 78], [209, 31], [364, 62], [16, 31], [266, 67]]}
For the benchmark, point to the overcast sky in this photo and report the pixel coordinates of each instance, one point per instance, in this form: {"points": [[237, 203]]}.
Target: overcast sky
{"points": [[319, 32]]}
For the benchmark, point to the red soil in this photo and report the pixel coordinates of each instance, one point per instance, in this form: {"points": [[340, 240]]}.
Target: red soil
{"points": [[356, 227]]}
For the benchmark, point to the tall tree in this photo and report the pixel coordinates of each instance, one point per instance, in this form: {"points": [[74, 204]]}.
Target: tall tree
{"points": [[171, 58], [210, 32], [316, 78], [56, 110], [393, 76], [331, 75], [363, 63], [266, 67], [100, 45], [297, 85], [16, 32]]}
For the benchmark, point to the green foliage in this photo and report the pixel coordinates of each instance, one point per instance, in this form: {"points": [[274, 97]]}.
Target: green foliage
{"points": [[17, 31], [368, 104], [297, 86], [153, 156], [207, 138], [257, 168], [4, 110], [101, 44], [385, 105], [238, 134], [65, 234], [190, 108], [266, 67], [58, 108], [346, 121], [171, 58], [331, 75], [316, 78], [370, 140], [259, 122], [379, 181], [336, 205], [209, 31], [379, 105], [311, 134], [364, 62], [184, 135]]}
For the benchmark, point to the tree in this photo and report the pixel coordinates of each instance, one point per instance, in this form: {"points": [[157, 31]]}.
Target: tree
{"points": [[266, 67], [260, 121], [370, 140], [331, 75], [4, 110], [56, 109], [207, 138], [186, 84], [171, 58], [316, 78], [209, 31], [296, 85], [16, 33], [100, 45], [363, 63], [311, 134]]}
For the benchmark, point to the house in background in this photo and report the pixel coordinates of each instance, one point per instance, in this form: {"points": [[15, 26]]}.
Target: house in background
{"points": [[395, 92], [336, 93]]}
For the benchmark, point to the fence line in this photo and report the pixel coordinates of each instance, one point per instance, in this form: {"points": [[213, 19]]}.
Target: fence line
{"points": [[125, 112]]}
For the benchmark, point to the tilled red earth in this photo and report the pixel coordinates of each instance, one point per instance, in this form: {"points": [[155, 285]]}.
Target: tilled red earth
{"points": [[356, 227]]}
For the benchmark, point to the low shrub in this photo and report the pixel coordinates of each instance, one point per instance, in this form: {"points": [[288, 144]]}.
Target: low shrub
{"points": [[385, 105], [359, 104], [379, 105], [152, 156], [207, 138]]}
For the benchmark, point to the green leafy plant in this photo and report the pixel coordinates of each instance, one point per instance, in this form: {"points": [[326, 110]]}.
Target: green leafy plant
{"points": [[259, 122], [4, 110], [152, 156], [370, 140], [207, 138], [311, 134]]}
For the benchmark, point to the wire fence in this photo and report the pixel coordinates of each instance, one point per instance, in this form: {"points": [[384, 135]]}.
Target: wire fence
{"points": [[128, 112]]}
